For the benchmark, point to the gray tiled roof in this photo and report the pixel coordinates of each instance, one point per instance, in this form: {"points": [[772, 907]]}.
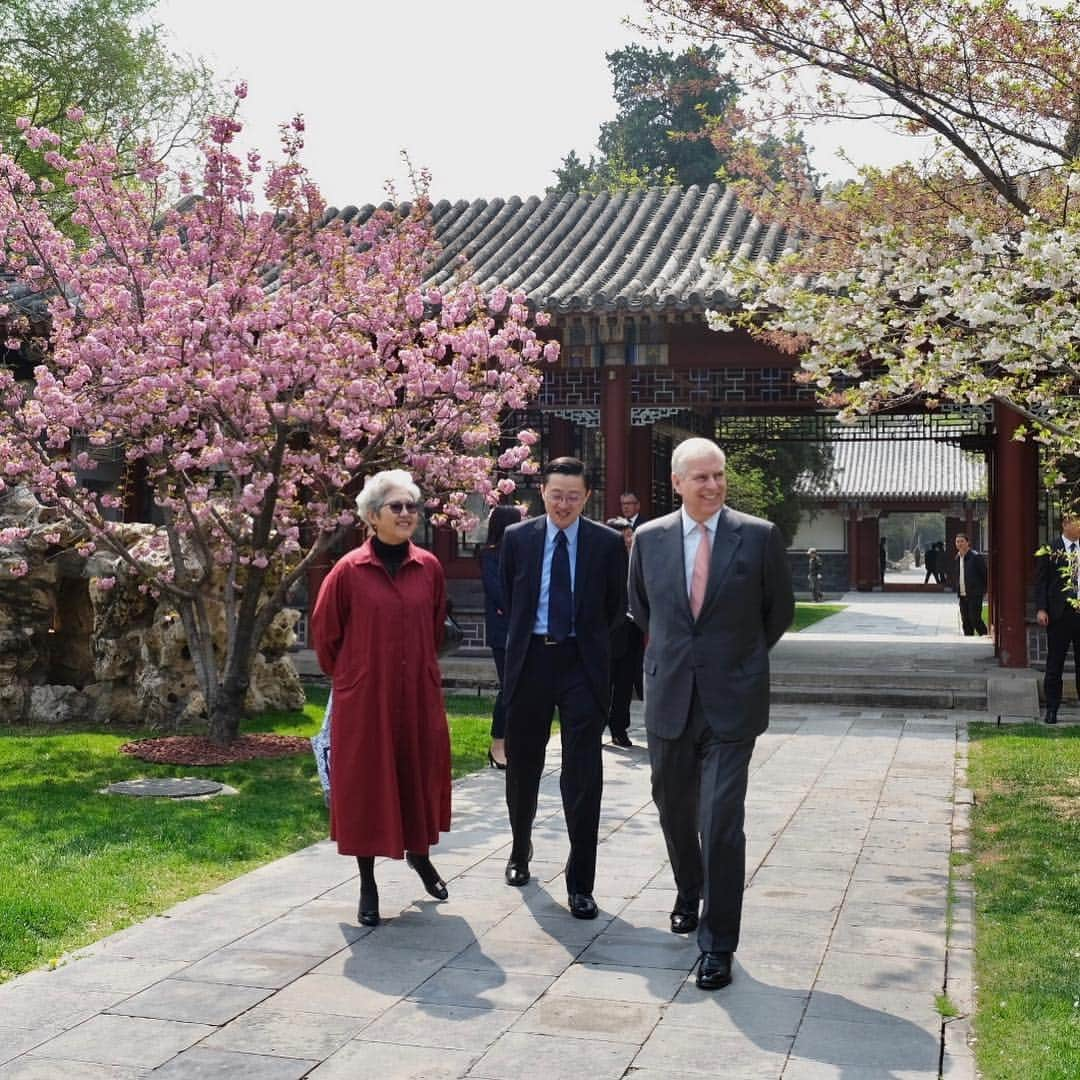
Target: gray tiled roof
{"points": [[892, 469], [631, 251]]}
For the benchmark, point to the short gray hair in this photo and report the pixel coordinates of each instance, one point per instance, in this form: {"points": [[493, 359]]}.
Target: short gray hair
{"points": [[370, 500], [691, 449]]}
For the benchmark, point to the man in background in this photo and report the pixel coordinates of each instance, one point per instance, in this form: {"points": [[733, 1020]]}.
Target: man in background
{"points": [[970, 586], [1056, 590], [630, 505]]}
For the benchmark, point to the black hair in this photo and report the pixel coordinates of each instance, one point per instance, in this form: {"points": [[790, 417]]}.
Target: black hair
{"points": [[500, 518], [565, 466]]}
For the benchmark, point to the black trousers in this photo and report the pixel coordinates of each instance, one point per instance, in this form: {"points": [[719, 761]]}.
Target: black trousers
{"points": [[625, 678], [699, 786], [971, 614], [1060, 634], [554, 678]]}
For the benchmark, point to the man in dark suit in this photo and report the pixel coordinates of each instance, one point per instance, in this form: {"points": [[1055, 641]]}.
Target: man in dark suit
{"points": [[711, 590], [626, 654], [1056, 590], [970, 586], [564, 587], [630, 505]]}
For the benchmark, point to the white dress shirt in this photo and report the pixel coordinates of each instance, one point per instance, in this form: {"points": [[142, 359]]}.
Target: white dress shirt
{"points": [[691, 539]]}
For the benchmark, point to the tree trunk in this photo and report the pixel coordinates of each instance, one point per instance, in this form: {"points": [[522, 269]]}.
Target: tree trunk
{"points": [[227, 713], [243, 644]]}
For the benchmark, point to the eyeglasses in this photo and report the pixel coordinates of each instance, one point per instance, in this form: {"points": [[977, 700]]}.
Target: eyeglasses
{"points": [[572, 499], [402, 507]]}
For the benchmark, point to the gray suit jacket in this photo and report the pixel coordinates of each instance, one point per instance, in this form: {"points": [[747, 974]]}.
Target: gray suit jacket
{"points": [[724, 653]]}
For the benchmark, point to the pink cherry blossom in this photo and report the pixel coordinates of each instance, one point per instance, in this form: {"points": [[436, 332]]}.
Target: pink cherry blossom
{"points": [[251, 366]]}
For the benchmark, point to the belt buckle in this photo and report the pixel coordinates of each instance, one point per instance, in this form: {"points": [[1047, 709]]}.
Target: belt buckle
{"points": [[549, 640]]}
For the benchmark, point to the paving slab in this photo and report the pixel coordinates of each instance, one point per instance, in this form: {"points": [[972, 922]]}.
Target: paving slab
{"points": [[452, 1027], [554, 1058], [202, 1064], [271, 1029], [192, 1002], [25, 1068], [374, 1059], [605, 1020], [850, 823], [131, 1041]]}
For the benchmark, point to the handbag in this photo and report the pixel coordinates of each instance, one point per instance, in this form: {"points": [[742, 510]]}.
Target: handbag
{"points": [[320, 747], [453, 636]]}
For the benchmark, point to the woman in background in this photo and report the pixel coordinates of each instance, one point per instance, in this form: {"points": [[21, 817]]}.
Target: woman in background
{"points": [[495, 622], [377, 625]]}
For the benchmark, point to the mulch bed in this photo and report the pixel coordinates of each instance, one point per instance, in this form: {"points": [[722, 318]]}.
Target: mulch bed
{"points": [[199, 750]]}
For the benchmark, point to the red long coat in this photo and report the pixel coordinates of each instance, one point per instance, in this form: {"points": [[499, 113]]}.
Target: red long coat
{"points": [[377, 637]]}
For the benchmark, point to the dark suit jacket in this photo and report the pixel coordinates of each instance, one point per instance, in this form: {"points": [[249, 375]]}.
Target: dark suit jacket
{"points": [[599, 597], [749, 604], [494, 612], [1052, 594], [974, 574]]}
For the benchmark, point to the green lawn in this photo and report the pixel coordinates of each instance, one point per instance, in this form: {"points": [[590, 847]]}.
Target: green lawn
{"points": [[76, 865], [1026, 848], [809, 613]]}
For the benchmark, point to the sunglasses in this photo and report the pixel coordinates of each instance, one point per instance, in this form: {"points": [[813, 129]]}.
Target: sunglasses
{"points": [[402, 507]]}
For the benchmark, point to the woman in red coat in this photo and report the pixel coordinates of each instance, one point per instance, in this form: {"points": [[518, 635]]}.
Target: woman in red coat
{"points": [[377, 625]]}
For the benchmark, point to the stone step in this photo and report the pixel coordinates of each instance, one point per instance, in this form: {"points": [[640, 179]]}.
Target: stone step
{"points": [[877, 696], [832, 678]]}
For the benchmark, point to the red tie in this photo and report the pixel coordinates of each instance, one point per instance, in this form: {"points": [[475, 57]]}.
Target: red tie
{"points": [[699, 578]]}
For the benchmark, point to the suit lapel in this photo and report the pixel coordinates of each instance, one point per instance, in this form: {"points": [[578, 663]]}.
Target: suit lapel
{"points": [[676, 559], [727, 541], [581, 566], [535, 555]]}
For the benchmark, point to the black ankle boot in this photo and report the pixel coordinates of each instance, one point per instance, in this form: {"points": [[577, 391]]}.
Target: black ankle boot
{"points": [[368, 911], [428, 875]]}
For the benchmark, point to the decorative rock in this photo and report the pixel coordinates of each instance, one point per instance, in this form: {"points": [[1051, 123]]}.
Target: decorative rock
{"points": [[169, 787], [72, 650]]}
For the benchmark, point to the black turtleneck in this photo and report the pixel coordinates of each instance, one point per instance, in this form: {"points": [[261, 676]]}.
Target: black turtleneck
{"points": [[390, 555]]}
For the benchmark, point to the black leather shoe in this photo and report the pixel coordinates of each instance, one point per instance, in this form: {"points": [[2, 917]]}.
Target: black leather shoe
{"points": [[368, 912], [1051, 716], [582, 905], [517, 872], [714, 970], [622, 739], [684, 916], [434, 884]]}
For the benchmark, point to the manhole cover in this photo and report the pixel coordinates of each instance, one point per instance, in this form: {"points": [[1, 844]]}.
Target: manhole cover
{"points": [[168, 788]]}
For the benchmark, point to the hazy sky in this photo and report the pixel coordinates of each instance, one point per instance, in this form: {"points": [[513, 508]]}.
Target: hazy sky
{"points": [[488, 95]]}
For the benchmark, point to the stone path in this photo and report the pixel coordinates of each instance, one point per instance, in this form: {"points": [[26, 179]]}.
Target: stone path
{"points": [[847, 943], [885, 617]]}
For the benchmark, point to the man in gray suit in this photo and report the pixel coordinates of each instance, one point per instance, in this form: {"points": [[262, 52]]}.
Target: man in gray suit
{"points": [[711, 590]]}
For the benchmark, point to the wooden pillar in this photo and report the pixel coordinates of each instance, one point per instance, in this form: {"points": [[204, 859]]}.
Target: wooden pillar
{"points": [[853, 550], [1012, 542], [560, 441], [641, 463], [615, 426], [868, 574]]}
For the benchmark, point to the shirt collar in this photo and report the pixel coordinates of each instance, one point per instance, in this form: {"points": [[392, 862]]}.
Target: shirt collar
{"points": [[570, 530], [689, 524], [1066, 541]]}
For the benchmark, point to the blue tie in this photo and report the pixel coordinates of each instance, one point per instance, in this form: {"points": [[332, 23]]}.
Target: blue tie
{"points": [[560, 601]]}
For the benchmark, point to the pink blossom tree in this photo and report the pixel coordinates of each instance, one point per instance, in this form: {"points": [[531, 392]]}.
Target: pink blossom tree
{"points": [[252, 364]]}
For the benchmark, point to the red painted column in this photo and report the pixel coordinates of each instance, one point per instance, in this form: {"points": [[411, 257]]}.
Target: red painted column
{"points": [[615, 426], [1012, 547], [853, 550], [561, 439], [640, 473]]}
